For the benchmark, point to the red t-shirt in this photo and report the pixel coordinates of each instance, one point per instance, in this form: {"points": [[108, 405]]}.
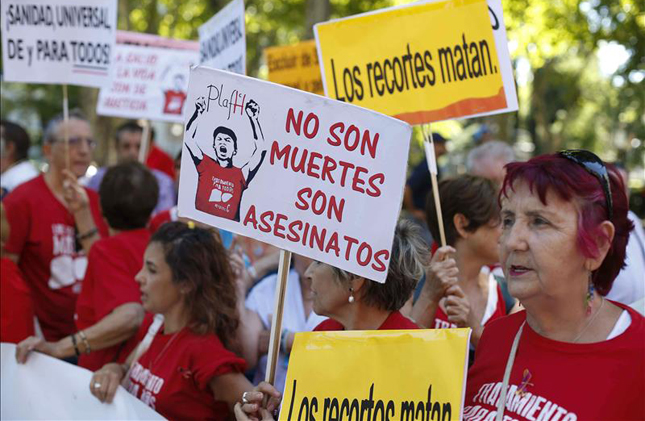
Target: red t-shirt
{"points": [[395, 321], [161, 218], [174, 102], [495, 308], [219, 190], [558, 381], [161, 161], [16, 307], [109, 282], [43, 236], [173, 375]]}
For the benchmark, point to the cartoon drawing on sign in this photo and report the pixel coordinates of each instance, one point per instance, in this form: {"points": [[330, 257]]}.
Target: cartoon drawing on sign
{"points": [[221, 184], [174, 90]]}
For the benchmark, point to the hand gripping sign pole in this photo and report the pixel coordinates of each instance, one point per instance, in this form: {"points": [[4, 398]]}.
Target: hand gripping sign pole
{"points": [[276, 323], [428, 144]]}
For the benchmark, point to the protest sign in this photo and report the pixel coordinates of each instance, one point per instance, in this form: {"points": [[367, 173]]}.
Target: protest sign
{"points": [[377, 375], [302, 172], [50, 389], [422, 63], [151, 40], [222, 40], [296, 66], [58, 41], [148, 82]]}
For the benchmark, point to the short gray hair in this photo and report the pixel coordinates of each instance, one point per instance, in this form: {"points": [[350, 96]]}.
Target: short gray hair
{"points": [[409, 258], [49, 135], [494, 150]]}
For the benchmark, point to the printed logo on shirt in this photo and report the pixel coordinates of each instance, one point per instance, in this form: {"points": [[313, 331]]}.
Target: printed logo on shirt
{"points": [[151, 385], [67, 267], [519, 404], [442, 324]]}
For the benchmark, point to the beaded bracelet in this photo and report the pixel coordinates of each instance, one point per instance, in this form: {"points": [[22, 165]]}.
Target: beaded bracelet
{"points": [[76, 351], [85, 341]]}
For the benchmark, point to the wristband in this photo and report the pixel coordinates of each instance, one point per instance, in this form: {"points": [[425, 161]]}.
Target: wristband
{"points": [[76, 351], [87, 235], [85, 342]]}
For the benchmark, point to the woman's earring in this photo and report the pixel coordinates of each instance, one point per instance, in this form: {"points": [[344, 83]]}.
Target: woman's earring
{"points": [[591, 290], [351, 295]]}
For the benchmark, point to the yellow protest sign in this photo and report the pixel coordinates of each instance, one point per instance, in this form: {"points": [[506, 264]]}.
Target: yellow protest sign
{"points": [[422, 63], [377, 375], [296, 66]]}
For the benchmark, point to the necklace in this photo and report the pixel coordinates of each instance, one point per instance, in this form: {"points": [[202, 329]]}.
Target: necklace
{"points": [[602, 301], [163, 350]]}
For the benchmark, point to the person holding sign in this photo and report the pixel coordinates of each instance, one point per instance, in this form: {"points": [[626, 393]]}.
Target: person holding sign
{"points": [[49, 219], [356, 303], [572, 354], [459, 291], [188, 370], [221, 184]]}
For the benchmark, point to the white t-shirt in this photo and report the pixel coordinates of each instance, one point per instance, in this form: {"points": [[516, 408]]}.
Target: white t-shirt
{"points": [[16, 175], [629, 285], [261, 300]]}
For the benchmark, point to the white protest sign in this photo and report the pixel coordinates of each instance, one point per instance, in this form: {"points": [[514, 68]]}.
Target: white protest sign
{"points": [[305, 173], [148, 82], [222, 39], [49, 389], [58, 41]]}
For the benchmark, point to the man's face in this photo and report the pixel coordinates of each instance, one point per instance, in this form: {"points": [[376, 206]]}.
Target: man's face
{"points": [[81, 144], [224, 147], [128, 145]]}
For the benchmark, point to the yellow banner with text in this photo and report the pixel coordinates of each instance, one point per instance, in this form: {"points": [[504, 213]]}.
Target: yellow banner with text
{"points": [[296, 66]]}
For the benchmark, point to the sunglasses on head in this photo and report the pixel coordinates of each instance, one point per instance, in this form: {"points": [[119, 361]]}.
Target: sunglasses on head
{"points": [[594, 166]]}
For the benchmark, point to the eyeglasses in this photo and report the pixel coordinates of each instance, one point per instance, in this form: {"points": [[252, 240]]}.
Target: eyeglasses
{"points": [[594, 166], [75, 142]]}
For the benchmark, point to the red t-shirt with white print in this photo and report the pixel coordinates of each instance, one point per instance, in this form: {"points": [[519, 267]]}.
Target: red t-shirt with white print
{"points": [[113, 263], [173, 375], [43, 236], [558, 381], [495, 308], [219, 190]]}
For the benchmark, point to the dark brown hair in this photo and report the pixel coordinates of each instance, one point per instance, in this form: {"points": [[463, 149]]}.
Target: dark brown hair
{"points": [[200, 262], [410, 255], [472, 196]]}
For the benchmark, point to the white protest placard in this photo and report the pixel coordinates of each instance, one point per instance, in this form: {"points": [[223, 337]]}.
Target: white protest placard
{"points": [[222, 40], [49, 389], [148, 82], [305, 173], [58, 41]]}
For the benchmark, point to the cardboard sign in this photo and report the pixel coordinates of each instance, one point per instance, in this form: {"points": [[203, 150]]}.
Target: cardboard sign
{"points": [[49, 389], [148, 82], [377, 375], [295, 66], [422, 63], [302, 172], [222, 40], [58, 41]]}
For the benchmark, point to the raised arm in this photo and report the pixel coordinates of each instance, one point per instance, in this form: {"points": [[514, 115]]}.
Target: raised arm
{"points": [[259, 148], [193, 148]]}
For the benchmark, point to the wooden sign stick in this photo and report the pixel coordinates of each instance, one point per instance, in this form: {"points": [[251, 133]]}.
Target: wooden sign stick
{"points": [[145, 137], [276, 322], [432, 166], [65, 126]]}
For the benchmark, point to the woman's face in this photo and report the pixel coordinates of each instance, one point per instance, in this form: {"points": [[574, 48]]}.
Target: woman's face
{"points": [[484, 242], [538, 247], [158, 293], [329, 294]]}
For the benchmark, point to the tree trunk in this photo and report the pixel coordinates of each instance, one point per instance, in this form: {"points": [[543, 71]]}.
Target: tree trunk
{"points": [[317, 11]]}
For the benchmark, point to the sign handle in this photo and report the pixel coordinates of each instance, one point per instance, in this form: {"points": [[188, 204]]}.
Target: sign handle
{"points": [[278, 309], [65, 125], [145, 137], [432, 165]]}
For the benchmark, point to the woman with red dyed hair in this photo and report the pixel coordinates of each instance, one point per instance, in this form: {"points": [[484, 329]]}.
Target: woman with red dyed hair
{"points": [[572, 354]]}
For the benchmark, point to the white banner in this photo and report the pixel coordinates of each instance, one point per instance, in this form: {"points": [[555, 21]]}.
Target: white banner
{"points": [[58, 41], [49, 389], [222, 40], [147, 82], [305, 173]]}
